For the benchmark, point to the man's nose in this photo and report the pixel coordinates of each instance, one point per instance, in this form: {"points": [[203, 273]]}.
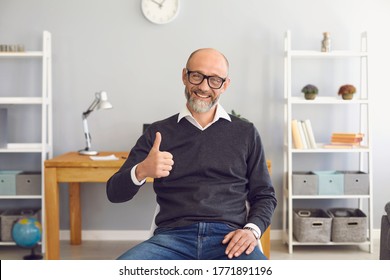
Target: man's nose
{"points": [[204, 85]]}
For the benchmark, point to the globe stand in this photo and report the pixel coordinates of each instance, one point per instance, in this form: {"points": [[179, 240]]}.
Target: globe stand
{"points": [[33, 256]]}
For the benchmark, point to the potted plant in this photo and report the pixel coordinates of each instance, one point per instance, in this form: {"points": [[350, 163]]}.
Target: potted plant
{"points": [[238, 116], [347, 91], [310, 91]]}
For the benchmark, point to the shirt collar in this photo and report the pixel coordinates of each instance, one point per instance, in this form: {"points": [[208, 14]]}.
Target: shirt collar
{"points": [[220, 113]]}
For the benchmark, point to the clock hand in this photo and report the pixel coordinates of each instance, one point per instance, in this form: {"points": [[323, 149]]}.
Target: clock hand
{"points": [[157, 3]]}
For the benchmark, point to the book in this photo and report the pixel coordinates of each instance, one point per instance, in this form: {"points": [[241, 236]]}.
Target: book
{"points": [[355, 141], [302, 134], [296, 137], [340, 146], [346, 140], [347, 135], [309, 129], [306, 135]]}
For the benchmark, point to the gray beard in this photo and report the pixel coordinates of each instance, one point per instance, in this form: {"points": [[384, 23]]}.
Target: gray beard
{"points": [[198, 105]]}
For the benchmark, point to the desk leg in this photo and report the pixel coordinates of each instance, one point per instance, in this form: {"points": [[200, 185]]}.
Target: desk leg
{"points": [[75, 213], [52, 224]]}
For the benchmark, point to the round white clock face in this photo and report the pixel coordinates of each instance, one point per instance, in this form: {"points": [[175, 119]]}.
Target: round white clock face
{"points": [[160, 11]]}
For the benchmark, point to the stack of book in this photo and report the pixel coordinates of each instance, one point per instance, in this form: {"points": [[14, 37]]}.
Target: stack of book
{"points": [[345, 140], [302, 135]]}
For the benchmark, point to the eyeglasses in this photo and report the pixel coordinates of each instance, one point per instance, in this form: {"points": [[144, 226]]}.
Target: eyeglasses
{"points": [[197, 78]]}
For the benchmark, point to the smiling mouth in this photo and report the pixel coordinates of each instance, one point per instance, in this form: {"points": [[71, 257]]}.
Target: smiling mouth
{"points": [[205, 96]]}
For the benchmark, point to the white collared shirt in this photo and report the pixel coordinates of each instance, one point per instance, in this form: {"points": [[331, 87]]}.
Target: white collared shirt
{"points": [[219, 113]]}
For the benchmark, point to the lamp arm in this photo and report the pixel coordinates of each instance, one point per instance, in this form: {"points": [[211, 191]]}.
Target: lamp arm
{"points": [[86, 132], [91, 108]]}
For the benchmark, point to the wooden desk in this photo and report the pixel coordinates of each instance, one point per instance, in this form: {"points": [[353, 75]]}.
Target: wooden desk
{"points": [[74, 169]]}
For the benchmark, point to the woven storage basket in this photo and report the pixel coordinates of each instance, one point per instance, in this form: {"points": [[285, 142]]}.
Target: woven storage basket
{"points": [[348, 225], [312, 225]]}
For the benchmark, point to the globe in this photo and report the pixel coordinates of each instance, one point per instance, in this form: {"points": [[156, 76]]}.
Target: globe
{"points": [[27, 232]]}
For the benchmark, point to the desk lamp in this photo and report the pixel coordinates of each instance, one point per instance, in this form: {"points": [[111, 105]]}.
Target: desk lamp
{"points": [[100, 102]]}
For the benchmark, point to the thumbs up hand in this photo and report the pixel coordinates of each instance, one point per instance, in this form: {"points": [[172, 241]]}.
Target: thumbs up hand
{"points": [[157, 164]]}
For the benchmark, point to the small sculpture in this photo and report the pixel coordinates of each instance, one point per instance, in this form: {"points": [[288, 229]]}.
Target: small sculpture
{"points": [[325, 44]]}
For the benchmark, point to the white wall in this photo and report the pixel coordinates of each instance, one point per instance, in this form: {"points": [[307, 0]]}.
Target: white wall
{"points": [[109, 45]]}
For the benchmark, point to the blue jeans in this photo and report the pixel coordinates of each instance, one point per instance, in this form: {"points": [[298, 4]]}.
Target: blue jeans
{"points": [[199, 241]]}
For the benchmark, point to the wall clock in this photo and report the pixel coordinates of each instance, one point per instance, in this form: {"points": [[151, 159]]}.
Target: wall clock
{"points": [[160, 11]]}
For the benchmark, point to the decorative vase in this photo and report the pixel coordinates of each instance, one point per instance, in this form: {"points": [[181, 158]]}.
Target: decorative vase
{"points": [[310, 96], [347, 96]]}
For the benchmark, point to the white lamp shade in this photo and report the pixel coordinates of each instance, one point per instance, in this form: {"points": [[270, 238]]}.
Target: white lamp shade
{"points": [[103, 100]]}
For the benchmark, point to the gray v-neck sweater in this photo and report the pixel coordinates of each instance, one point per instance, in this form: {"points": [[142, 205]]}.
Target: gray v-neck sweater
{"points": [[215, 172]]}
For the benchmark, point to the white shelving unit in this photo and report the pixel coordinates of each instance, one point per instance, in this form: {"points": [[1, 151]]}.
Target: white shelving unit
{"points": [[43, 98], [295, 100]]}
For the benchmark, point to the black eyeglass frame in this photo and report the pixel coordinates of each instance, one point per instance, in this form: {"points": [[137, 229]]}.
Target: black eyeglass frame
{"points": [[189, 72]]}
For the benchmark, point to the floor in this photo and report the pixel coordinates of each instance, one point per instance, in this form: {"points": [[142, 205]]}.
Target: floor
{"points": [[108, 250]]}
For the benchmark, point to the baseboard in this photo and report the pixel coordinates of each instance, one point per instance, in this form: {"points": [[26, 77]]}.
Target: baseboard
{"points": [[144, 234], [108, 234]]}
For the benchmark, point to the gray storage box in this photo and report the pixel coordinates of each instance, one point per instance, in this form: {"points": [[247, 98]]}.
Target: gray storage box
{"points": [[312, 225], [8, 182], [348, 225], [28, 183], [355, 182], [304, 183], [9, 217], [330, 182]]}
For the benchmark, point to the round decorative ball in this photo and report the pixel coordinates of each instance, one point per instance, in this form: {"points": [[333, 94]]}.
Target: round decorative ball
{"points": [[27, 232]]}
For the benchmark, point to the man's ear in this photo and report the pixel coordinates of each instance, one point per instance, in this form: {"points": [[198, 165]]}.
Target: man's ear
{"points": [[184, 75], [226, 84]]}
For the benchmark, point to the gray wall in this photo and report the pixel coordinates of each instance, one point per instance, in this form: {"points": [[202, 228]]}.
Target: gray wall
{"points": [[109, 45]]}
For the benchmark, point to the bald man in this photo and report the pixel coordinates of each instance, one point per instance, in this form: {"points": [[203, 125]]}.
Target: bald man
{"points": [[206, 165]]}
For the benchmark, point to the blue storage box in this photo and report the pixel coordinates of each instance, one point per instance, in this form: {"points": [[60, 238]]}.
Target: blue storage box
{"points": [[8, 182], [330, 182]]}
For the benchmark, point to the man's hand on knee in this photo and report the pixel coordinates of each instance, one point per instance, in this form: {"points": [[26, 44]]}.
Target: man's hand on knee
{"points": [[239, 241]]}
